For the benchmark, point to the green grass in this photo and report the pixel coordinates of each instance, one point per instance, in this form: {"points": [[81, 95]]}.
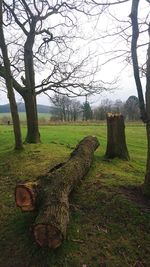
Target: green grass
{"points": [[7, 116], [109, 222]]}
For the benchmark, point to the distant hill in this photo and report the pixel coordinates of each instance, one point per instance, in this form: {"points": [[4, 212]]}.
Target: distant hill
{"points": [[21, 108]]}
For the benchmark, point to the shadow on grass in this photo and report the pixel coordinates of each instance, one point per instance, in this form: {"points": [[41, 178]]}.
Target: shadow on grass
{"points": [[18, 248]]}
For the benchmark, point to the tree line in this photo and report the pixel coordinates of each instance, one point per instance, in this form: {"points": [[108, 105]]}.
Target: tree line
{"points": [[73, 110]]}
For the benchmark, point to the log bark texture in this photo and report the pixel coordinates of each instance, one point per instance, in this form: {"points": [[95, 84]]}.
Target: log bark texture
{"points": [[28, 194], [51, 223], [116, 141]]}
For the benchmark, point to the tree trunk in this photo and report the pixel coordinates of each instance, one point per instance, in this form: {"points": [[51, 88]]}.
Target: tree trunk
{"points": [[9, 85], [135, 36], [147, 175], [116, 142], [50, 225], [145, 113], [33, 135]]}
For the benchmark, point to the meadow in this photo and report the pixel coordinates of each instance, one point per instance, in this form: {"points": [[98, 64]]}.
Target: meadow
{"points": [[109, 216], [4, 117]]}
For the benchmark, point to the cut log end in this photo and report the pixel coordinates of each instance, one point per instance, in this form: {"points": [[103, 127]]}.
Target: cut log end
{"points": [[48, 235], [25, 195]]}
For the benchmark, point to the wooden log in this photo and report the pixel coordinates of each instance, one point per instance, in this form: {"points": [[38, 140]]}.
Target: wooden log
{"points": [[51, 223], [26, 194], [116, 141]]}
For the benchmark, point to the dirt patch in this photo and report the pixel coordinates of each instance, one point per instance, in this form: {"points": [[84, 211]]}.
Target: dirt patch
{"points": [[135, 194]]}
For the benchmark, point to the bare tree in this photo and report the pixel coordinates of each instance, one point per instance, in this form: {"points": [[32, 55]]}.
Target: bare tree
{"points": [[76, 110], [67, 109], [62, 103], [144, 105], [131, 108], [9, 85], [41, 42], [135, 31]]}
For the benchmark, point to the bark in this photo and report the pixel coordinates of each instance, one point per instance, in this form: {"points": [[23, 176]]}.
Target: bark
{"points": [[9, 85], [147, 175], [145, 113], [116, 142], [51, 223], [29, 194], [135, 35], [33, 135]]}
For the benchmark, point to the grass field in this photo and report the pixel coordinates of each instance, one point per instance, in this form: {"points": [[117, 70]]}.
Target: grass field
{"points": [[4, 117], [109, 218]]}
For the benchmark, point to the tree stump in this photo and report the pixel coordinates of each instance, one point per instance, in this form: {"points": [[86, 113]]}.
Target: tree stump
{"points": [[116, 141], [51, 223]]}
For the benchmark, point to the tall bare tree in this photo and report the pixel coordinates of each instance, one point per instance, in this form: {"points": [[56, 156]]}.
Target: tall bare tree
{"points": [[144, 104], [42, 54], [135, 31], [9, 85]]}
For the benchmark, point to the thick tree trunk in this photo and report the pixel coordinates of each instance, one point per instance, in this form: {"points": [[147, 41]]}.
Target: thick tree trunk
{"points": [[116, 142], [33, 135], [147, 175], [15, 116], [145, 113], [51, 223], [9, 85], [135, 36]]}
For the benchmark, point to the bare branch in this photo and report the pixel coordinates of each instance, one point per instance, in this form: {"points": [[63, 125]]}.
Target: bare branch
{"points": [[21, 25], [109, 3], [16, 85], [27, 8]]}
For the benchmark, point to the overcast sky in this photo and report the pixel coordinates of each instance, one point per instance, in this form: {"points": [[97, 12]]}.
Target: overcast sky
{"points": [[97, 27]]}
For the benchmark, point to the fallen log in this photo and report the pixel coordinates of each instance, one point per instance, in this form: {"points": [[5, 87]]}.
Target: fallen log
{"points": [[51, 223], [26, 195]]}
